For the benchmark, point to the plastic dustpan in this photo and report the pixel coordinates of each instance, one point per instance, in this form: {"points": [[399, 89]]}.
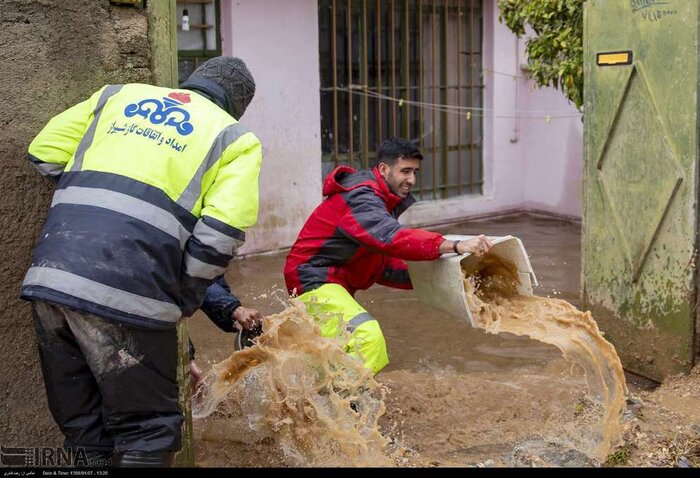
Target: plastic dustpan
{"points": [[439, 284]]}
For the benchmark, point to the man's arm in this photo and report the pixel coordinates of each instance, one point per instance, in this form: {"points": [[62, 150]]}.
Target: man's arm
{"points": [[478, 245], [370, 224], [219, 304], [229, 208], [395, 273], [225, 310], [57, 142]]}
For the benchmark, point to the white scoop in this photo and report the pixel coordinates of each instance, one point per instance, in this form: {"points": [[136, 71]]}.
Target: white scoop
{"points": [[438, 283]]}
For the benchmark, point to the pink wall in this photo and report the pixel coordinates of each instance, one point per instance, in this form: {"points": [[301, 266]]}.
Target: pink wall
{"points": [[529, 163], [279, 42], [552, 151]]}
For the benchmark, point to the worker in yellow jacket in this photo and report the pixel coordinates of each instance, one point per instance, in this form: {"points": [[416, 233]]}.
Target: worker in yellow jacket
{"points": [[155, 190]]}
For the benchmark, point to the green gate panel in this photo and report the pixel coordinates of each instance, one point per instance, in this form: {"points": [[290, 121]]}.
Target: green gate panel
{"points": [[640, 185]]}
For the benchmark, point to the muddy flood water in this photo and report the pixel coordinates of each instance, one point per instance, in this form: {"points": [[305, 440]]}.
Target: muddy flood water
{"points": [[452, 395]]}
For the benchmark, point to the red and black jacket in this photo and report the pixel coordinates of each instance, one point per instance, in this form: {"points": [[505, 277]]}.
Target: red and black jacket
{"points": [[353, 238]]}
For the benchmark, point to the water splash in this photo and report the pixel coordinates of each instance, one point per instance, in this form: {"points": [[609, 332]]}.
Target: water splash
{"points": [[320, 407], [305, 391], [497, 306]]}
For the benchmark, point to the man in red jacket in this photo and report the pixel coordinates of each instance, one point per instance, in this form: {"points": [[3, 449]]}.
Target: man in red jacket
{"points": [[353, 239]]}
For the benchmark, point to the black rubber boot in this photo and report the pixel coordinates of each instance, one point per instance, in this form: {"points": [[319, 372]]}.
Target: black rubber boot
{"points": [[146, 459]]}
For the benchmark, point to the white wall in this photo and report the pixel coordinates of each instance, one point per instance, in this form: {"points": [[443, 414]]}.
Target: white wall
{"points": [[278, 40], [529, 163]]}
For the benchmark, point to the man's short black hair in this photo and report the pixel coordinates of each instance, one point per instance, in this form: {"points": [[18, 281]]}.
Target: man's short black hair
{"points": [[394, 148]]}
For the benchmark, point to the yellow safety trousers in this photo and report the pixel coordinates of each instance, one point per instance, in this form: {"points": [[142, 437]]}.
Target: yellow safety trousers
{"points": [[335, 310]]}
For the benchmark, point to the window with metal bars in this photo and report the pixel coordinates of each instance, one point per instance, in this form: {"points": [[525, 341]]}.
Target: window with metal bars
{"points": [[203, 40], [409, 68]]}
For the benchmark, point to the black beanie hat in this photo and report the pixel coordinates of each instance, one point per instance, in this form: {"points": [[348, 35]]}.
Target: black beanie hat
{"points": [[233, 76]]}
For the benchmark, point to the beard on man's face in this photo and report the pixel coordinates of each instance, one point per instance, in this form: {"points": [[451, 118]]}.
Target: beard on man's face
{"points": [[398, 187]]}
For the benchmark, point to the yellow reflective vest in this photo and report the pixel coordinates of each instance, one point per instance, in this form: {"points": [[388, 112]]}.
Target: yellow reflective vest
{"points": [[156, 188]]}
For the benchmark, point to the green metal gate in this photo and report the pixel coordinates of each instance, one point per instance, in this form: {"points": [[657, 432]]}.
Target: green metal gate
{"points": [[640, 179]]}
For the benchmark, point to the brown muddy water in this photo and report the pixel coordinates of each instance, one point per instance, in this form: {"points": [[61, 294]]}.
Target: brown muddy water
{"points": [[452, 395]]}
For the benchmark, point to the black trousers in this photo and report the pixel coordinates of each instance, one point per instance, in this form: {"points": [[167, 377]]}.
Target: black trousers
{"points": [[110, 387]]}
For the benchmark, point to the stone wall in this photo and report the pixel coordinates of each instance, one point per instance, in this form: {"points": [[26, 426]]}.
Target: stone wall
{"points": [[54, 53]]}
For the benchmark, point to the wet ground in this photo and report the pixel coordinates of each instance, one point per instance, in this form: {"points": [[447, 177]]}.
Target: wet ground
{"points": [[457, 396]]}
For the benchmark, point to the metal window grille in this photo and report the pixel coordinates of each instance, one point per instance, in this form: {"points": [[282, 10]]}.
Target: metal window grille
{"points": [[376, 55], [203, 40]]}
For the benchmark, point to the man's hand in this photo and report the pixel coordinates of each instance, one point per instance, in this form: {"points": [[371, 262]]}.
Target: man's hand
{"points": [[246, 318], [196, 377], [478, 246]]}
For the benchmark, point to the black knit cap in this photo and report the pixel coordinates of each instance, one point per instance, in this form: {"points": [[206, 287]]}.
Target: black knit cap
{"points": [[233, 76]]}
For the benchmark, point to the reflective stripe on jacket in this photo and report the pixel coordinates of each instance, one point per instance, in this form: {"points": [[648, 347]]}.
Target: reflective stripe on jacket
{"points": [[354, 239], [156, 188]]}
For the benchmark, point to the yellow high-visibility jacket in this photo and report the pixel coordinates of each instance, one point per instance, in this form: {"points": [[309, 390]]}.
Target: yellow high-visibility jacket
{"points": [[156, 188]]}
